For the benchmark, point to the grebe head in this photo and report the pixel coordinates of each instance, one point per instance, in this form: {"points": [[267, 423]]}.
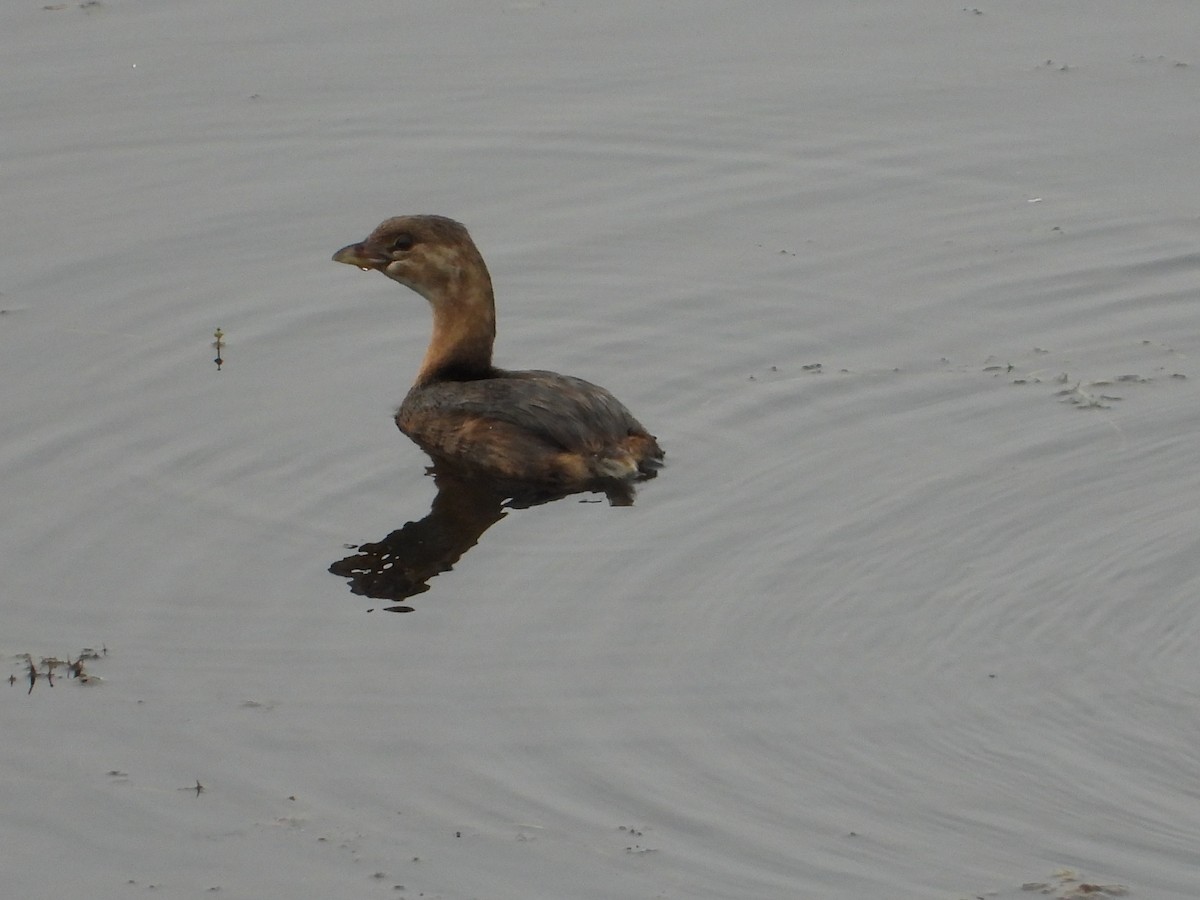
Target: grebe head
{"points": [[432, 255]]}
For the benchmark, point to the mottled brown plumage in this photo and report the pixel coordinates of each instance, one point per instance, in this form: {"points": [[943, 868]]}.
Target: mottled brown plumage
{"points": [[531, 426]]}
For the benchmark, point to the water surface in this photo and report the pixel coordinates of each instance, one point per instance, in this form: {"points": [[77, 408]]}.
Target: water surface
{"points": [[907, 291]]}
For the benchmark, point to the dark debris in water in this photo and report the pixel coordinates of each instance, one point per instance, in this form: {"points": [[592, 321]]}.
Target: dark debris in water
{"points": [[47, 668], [1081, 392], [1065, 884]]}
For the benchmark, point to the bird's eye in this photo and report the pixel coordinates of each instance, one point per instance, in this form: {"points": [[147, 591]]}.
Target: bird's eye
{"points": [[402, 243]]}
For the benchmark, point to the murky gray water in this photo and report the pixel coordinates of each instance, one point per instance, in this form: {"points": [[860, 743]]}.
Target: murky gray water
{"points": [[910, 612]]}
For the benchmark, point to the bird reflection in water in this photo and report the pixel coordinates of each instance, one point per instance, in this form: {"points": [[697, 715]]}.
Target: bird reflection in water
{"points": [[402, 564]]}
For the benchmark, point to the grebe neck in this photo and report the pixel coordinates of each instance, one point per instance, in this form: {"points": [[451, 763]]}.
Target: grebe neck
{"points": [[464, 326]]}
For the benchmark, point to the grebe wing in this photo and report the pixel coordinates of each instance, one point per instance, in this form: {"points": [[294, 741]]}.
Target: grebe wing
{"points": [[568, 412]]}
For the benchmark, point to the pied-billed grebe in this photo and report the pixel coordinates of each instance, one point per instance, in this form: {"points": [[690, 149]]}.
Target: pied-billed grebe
{"points": [[530, 426]]}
